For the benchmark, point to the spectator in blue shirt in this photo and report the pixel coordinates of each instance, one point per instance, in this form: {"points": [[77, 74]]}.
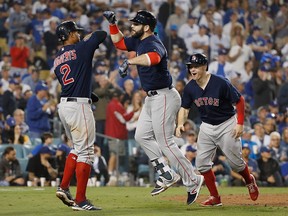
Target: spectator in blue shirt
{"points": [[39, 111]]}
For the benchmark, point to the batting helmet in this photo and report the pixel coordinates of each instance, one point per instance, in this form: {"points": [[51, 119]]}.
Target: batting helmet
{"points": [[146, 18], [197, 59], [65, 28]]}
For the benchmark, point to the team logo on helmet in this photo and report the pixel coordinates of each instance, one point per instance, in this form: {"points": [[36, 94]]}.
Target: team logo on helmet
{"points": [[193, 58]]}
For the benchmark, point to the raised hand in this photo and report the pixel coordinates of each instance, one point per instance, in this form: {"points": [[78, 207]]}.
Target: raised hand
{"points": [[110, 16]]}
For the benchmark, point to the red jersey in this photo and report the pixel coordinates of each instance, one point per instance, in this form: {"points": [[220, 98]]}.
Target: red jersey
{"points": [[114, 127], [19, 57]]}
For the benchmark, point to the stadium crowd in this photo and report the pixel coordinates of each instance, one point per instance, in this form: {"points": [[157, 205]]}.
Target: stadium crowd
{"points": [[246, 42]]}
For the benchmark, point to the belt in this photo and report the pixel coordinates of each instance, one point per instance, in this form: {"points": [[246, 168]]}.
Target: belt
{"points": [[154, 92], [79, 100]]}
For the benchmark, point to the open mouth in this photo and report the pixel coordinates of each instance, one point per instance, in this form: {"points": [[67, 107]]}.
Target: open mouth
{"points": [[194, 74]]}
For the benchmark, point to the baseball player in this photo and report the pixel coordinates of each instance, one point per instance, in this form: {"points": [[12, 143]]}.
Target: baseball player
{"points": [[156, 122], [214, 97], [73, 68]]}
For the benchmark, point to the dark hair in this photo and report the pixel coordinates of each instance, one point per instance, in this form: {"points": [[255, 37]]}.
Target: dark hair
{"points": [[8, 150], [45, 136]]}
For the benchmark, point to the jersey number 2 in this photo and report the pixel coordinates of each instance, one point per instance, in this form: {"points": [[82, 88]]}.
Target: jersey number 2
{"points": [[65, 70]]}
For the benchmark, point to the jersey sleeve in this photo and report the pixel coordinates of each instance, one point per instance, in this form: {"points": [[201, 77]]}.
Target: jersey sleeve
{"points": [[187, 99], [231, 93], [131, 43]]}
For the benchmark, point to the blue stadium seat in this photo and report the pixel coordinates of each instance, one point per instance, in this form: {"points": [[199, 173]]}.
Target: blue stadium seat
{"points": [[23, 164]]}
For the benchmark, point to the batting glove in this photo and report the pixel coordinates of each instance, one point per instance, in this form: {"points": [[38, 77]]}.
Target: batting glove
{"points": [[123, 69], [110, 16]]}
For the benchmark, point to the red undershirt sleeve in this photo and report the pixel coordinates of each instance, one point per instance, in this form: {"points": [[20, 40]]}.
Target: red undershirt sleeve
{"points": [[240, 108], [154, 58]]}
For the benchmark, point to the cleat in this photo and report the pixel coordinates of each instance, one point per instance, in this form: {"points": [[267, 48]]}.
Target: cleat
{"points": [[85, 206], [253, 189], [65, 196], [212, 201], [163, 184], [193, 194]]}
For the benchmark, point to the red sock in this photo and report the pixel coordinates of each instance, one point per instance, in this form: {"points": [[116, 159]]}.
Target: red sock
{"points": [[69, 170], [82, 175], [246, 175], [210, 183]]}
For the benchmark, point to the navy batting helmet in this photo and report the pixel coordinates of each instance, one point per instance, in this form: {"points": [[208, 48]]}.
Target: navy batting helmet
{"points": [[197, 59], [65, 28], [146, 18]]}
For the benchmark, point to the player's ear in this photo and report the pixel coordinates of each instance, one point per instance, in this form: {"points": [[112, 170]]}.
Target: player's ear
{"points": [[146, 28]]}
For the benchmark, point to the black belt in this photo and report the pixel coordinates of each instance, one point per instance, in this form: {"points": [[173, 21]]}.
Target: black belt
{"points": [[154, 92], [76, 100]]}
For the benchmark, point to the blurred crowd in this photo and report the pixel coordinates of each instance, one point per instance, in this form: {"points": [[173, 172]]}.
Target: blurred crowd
{"points": [[245, 41]]}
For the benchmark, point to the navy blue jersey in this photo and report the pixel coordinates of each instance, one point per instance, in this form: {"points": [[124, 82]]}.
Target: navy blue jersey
{"points": [[155, 76], [215, 102], [73, 66]]}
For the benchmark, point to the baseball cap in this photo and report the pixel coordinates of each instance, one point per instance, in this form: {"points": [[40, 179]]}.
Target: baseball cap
{"points": [[190, 148], [41, 86], [245, 145], [13, 81], [10, 121], [173, 27], [265, 149], [203, 26], [46, 150], [191, 132], [255, 28], [16, 74], [248, 129], [273, 103], [64, 148], [266, 67], [222, 51]]}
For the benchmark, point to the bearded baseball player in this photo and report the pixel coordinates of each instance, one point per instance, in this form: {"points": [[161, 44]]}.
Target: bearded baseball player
{"points": [[214, 97], [73, 68], [156, 124]]}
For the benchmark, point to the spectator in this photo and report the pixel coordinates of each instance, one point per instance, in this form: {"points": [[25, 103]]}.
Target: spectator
{"points": [[229, 26], [99, 167], [19, 54], [9, 100], [264, 87], [165, 6], [218, 41], [190, 154], [17, 21], [277, 152], [239, 54], [46, 140], [264, 21], [32, 79], [174, 42], [116, 117], [199, 42], [42, 165], [258, 44], [269, 124], [237, 179], [61, 155], [222, 67], [133, 75], [8, 130], [281, 27], [38, 112], [103, 92], [5, 77], [269, 169], [190, 140], [10, 170], [259, 135], [177, 18], [19, 117], [254, 150]]}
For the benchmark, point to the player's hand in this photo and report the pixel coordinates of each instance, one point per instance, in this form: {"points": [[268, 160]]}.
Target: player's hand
{"points": [[123, 69], [179, 130], [110, 16], [238, 131]]}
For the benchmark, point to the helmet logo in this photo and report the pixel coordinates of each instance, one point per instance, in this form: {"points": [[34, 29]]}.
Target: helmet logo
{"points": [[193, 58]]}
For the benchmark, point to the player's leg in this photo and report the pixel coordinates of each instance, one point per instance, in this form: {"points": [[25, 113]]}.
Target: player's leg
{"points": [[63, 192], [164, 110], [232, 148], [144, 135], [206, 150]]}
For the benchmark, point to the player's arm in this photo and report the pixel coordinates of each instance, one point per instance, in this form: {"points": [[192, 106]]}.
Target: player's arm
{"points": [[182, 118], [147, 59], [116, 35], [240, 109]]}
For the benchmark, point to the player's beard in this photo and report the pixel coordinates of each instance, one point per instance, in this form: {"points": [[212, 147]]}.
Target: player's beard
{"points": [[139, 33]]}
